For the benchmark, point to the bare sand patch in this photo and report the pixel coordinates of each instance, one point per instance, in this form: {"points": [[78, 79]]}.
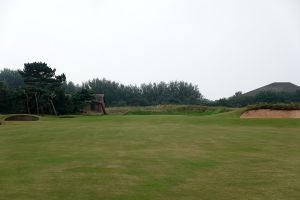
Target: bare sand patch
{"points": [[268, 113]]}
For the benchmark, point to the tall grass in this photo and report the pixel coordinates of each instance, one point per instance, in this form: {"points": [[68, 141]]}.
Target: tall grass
{"points": [[292, 106], [169, 110]]}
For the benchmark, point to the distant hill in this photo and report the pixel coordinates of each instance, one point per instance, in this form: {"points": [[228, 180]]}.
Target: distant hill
{"points": [[275, 87]]}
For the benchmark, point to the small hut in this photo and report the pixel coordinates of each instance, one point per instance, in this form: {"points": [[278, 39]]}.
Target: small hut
{"points": [[96, 105]]}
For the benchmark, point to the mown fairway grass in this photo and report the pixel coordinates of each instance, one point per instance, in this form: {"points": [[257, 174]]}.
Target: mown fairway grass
{"points": [[139, 157]]}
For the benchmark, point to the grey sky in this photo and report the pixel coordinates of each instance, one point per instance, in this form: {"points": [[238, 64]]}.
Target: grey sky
{"points": [[222, 46]]}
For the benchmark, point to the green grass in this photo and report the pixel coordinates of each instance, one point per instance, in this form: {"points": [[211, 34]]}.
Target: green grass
{"points": [[148, 157]]}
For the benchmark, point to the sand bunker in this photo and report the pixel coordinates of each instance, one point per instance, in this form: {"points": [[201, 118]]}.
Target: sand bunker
{"points": [[22, 118], [267, 113]]}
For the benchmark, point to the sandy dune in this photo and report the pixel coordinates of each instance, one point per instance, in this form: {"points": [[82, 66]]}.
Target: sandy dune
{"points": [[266, 113]]}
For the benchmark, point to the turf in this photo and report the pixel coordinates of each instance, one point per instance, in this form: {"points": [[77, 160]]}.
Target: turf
{"points": [[166, 157]]}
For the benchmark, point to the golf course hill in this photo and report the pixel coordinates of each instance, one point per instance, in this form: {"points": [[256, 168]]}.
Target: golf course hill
{"points": [[276, 87]]}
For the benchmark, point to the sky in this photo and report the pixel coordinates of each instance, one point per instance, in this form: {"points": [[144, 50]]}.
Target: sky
{"points": [[220, 46]]}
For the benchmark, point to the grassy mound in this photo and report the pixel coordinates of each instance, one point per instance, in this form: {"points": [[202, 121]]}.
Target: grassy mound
{"points": [[292, 106], [168, 110], [22, 117]]}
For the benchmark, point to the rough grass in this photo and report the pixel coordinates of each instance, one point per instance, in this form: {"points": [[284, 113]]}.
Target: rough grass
{"points": [[148, 157], [291, 106], [168, 110]]}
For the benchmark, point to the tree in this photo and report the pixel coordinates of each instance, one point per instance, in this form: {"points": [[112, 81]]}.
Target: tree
{"points": [[239, 93], [116, 94], [63, 102], [41, 83], [11, 101], [4, 101], [81, 97], [71, 88], [11, 79]]}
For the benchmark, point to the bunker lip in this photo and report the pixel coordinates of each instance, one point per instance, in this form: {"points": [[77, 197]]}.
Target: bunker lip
{"points": [[67, 116], [22, 117], [270, 114]]}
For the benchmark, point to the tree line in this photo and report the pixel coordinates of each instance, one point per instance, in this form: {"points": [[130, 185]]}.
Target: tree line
{"points": [[38, 89], [242, 100]]}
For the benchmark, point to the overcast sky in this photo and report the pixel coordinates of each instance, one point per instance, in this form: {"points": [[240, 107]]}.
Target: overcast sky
{"points": [[222, 46]]}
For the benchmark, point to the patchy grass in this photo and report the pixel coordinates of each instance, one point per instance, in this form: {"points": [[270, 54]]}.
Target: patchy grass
{"points": [[168, 110], [146, 157]]}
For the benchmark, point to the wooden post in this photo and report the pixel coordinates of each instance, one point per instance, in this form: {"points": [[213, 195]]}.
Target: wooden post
{"points": [[103, 109]]}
